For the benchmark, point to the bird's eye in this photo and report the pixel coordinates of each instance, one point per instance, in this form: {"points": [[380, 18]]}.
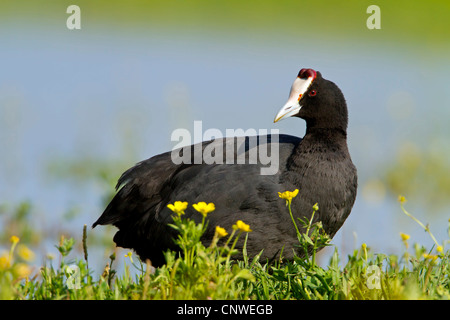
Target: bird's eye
{"points": [[312, 93]]}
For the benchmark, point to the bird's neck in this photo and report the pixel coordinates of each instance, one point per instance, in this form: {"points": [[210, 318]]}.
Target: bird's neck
{"points": [[319, 134], [320, 143]]}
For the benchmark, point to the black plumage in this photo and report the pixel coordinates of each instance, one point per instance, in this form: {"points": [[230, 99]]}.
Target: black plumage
{"points": [[319, 165]]}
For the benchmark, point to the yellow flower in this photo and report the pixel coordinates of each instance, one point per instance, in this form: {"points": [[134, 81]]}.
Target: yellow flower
{"points": [[204, 208], [178, 207], [316, 207], [401, 199], [242, 226], [439, 249], [25, 253], [5, 262], [14, 239], [129, 255], [431, 257], [221, 232], [404, 236], [22, 270], [288, 195]]}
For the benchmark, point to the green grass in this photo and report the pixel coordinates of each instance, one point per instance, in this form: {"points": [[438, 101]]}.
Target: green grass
{"points": [[212, 273]]}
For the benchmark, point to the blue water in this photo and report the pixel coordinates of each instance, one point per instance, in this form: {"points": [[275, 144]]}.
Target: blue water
{"points": [[67, 95]]}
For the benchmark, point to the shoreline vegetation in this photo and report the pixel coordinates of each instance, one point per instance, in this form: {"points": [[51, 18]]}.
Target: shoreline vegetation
{"points": [[212, 273]]}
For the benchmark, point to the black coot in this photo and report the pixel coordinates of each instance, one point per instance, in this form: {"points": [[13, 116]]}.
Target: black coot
{"points": [[319, 165]]}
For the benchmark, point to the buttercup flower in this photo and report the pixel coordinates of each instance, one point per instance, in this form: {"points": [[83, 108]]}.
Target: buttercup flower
{"points": [[129, 255], [401, 199], [14, 239], [242, 226], [25, 253], [439, 249], [22, 270], [404, 236], [178, 207], [431, 257], [288, 195], [316, 206], [204, 208], [221, 232], [5, 262]]}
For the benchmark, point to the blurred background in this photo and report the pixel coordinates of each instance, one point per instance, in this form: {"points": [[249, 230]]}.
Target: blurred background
{"points": [[78, 107]]}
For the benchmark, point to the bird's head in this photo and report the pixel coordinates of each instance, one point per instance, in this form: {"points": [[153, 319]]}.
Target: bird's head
{"points": [[316, 100]]}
